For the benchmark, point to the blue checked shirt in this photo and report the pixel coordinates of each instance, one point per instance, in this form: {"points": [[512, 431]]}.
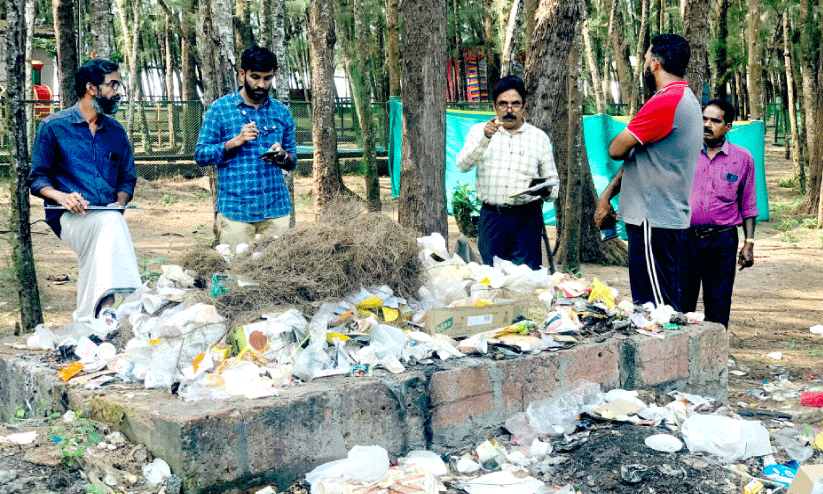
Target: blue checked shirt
{"points": [[249, 189]]}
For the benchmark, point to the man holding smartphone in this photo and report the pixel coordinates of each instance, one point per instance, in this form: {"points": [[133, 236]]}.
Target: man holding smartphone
{"points": [[511, 156], [249, 137]]}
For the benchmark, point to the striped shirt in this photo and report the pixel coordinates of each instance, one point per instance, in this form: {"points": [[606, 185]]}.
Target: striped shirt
{"points": [[249, 190], [507, 163]]}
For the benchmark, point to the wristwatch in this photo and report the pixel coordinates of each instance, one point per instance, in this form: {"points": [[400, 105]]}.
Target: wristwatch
{"points": [[282, 161]]}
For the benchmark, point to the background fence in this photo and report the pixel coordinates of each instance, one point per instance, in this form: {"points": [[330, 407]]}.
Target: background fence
{"points": [[164, 133]]}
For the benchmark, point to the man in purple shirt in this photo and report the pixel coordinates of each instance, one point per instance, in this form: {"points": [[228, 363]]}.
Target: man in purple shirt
{"points": [[723, 196]]}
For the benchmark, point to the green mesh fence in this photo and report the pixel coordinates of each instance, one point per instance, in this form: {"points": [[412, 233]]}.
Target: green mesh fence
{"points": [[164, 133]]}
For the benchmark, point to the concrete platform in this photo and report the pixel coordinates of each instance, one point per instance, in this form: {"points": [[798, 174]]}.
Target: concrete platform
{"points": [[445, 407]]}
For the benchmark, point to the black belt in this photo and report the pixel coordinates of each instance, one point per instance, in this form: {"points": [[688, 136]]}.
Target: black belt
{"points": [[507, 209], [708, 230]]}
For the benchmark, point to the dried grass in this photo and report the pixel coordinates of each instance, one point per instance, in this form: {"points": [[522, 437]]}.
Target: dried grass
{"points": [[324, 261], [204, 261]]}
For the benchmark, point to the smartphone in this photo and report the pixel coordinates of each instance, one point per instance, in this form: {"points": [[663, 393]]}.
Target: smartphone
{"points": [[269, 154]]}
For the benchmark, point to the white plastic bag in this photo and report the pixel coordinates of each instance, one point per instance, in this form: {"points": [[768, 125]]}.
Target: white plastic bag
{"points": [[365, 463], [387, 340], [729, 439]]}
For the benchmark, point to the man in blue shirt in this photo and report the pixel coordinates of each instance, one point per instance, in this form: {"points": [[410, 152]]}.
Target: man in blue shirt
{"points": [[249, 137], [82, 161]]}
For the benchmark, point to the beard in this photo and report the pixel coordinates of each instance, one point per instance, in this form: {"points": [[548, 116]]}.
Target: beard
{"points": [[648, 79], [105, 105], [256, 95]]}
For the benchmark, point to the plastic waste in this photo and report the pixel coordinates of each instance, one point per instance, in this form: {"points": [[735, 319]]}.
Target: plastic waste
{"points": [[503, 483], [156, 472], [811, 399], [428, 460], [388, 340], [365, 463], [312, 361], [794, 444], [42, 339], [729, 439], [817, 487], [522, 432], [161, 370], [556, 416]]}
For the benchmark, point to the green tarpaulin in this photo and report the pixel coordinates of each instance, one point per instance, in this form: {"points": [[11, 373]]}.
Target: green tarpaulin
{"points": [[598, 131]]}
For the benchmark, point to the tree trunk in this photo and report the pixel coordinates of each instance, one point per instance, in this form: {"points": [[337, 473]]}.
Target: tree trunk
{"points": [[364, 110], [22, 254], [797, 163], [755, 66], [326, 169], [101, 28], [422, 205], [529, 11], [569, 222], [642, 45], [807, 72], [277, 42], [459, 66], [721, 57], [620, 47], [696, 32], [492, 74], [29, 85], [393, 45], [216, 42], [509, 46], [597, 87], [188, 76], [812, 202], [546, 72], [243, 33], [65, 37]]}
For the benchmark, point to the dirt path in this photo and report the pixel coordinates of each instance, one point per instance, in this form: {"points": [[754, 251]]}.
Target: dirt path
{"points": [[775, 302]]}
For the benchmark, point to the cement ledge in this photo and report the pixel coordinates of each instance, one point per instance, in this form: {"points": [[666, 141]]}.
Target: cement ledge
{"points": [[444, 407]]}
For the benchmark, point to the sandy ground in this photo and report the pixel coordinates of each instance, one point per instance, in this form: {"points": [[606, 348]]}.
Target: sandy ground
{"points": [[775, 302]]}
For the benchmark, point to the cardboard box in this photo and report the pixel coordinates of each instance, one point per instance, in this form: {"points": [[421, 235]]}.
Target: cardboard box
{"points": [[459, 322], [804, 479]]}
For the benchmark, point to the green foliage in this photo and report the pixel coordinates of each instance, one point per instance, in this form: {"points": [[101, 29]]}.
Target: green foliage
{"points": [[74, 439], [788, 182], [466, 209], [786, 224], [146, 273], [809, 223], [94, 489], [168, 199]]}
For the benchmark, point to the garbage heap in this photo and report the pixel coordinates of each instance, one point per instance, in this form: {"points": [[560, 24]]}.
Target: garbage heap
{"points": [[548, 449], [318, 302]]}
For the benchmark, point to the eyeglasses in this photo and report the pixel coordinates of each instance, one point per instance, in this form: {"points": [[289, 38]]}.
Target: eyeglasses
{"points": [[114, 85], [505, 105]]}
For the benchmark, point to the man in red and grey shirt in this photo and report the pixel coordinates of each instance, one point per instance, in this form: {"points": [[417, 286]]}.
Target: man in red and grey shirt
{"points": [[660, 147], [723, 196]]}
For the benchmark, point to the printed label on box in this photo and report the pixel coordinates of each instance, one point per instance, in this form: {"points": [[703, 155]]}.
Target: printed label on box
{"points": [[478, 320]]}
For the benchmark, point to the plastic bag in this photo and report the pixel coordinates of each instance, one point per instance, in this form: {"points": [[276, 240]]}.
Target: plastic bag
{"points": [[365, 463], [556, 416], [387, 340], [311, 361], [793, 443], [728, 438]]}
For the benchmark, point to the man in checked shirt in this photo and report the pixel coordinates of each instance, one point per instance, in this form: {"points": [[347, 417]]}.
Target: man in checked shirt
{"points": [[723, 196], [249, 137], [511, 156]]}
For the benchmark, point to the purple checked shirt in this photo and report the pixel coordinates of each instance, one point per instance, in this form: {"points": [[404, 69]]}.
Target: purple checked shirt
{"points": [[724, 189]]}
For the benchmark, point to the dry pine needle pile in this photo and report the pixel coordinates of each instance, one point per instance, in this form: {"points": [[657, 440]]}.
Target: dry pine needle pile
{"points": [[324, 261]]}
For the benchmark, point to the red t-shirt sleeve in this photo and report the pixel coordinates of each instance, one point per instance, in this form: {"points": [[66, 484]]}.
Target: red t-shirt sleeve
{"points": [[654, 121]]}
